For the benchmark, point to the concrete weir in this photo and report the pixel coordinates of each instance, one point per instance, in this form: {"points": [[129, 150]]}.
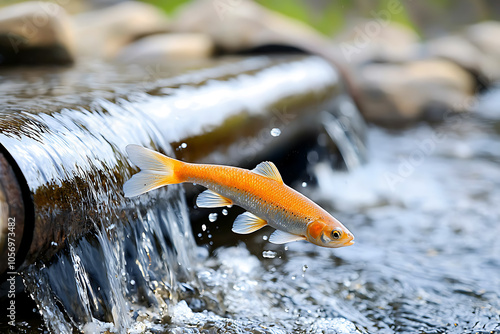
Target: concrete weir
{"points": [[63, 160]]}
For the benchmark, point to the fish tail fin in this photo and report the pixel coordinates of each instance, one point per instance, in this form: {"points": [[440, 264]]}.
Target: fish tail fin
{"points": [[157, 170]]}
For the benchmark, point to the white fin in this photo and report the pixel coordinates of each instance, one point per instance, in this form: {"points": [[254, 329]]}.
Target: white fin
{"points": [[148, 160], [268, 169], [247, 223], [157, 170], [210, 199], [281, 237], [142, 182]]}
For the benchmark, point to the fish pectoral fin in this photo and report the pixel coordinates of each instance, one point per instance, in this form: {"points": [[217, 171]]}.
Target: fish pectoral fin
{"points": [[247, 223], [210, 199], [281, 237], [268, 169]]}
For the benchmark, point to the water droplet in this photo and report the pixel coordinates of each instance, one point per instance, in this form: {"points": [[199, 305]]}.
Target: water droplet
{"points": [[265, 237], [209, 236], [184, 145], [229, 206], [304, 267], [313, 157], [212, 217], [132, 282], [286, 248], [204, 227], [53, 243], [293, 277], [304, 184], [275, 132], [269, 254], [199, 235], [224, 212]]}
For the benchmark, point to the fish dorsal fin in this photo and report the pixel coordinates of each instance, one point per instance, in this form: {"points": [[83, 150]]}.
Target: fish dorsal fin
{"points": [[210, 199], [281, 237], [268, 169], [247, 223]]}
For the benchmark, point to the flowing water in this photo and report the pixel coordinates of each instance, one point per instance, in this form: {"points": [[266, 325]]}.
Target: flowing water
{"points": [[423, 208]]}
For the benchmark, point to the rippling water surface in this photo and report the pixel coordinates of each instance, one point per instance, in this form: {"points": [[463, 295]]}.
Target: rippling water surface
{"points": [[424, 209], [425, 213]]}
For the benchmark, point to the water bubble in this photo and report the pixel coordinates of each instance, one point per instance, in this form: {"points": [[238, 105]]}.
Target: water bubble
{"points": [[224, 212], [53, 243], [286, 248], [275, 132], [209, 236], [304, 184], [269, 254], [212, 217], [132, 282], [294, 277], [265, 237], [204, 227], [304, 267], [184, 145], [199, 235]]}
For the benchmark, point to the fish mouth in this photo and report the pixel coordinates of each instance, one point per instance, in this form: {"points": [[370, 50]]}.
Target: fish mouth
{"points": [[342, 244], [349, 243]]}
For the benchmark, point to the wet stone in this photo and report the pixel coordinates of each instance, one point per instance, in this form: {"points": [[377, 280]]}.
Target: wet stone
{"points": [[243, 24], [484, 36], [35, 33], [392, 93], [460, 51], [376, 41], [104, 32], [157, 48]]}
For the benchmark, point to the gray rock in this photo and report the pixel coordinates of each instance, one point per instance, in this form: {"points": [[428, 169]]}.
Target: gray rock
{"points": [[485, 36], [457, 49], [394, 93], [103, 33], [35, 33], [377, 41], [158, 48], [236, 25]]}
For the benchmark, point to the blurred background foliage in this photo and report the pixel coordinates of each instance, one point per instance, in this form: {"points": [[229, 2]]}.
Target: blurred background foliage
{"points": [[426, 17]]}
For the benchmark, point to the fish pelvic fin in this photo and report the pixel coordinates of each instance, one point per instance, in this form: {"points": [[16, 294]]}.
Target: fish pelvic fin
{"points": [[157, 170], [282, 237], [268, 169], [210, 199], [247, 223]]}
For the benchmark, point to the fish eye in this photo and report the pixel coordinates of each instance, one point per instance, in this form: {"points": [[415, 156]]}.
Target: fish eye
{"points": [[336, 234]]}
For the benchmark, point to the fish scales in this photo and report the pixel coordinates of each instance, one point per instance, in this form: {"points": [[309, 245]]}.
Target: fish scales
{"points": [[275, 202], [260, 191]]}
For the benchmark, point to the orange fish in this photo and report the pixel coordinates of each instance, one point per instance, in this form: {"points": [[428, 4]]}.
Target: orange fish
{"points": [[261, 191]]}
